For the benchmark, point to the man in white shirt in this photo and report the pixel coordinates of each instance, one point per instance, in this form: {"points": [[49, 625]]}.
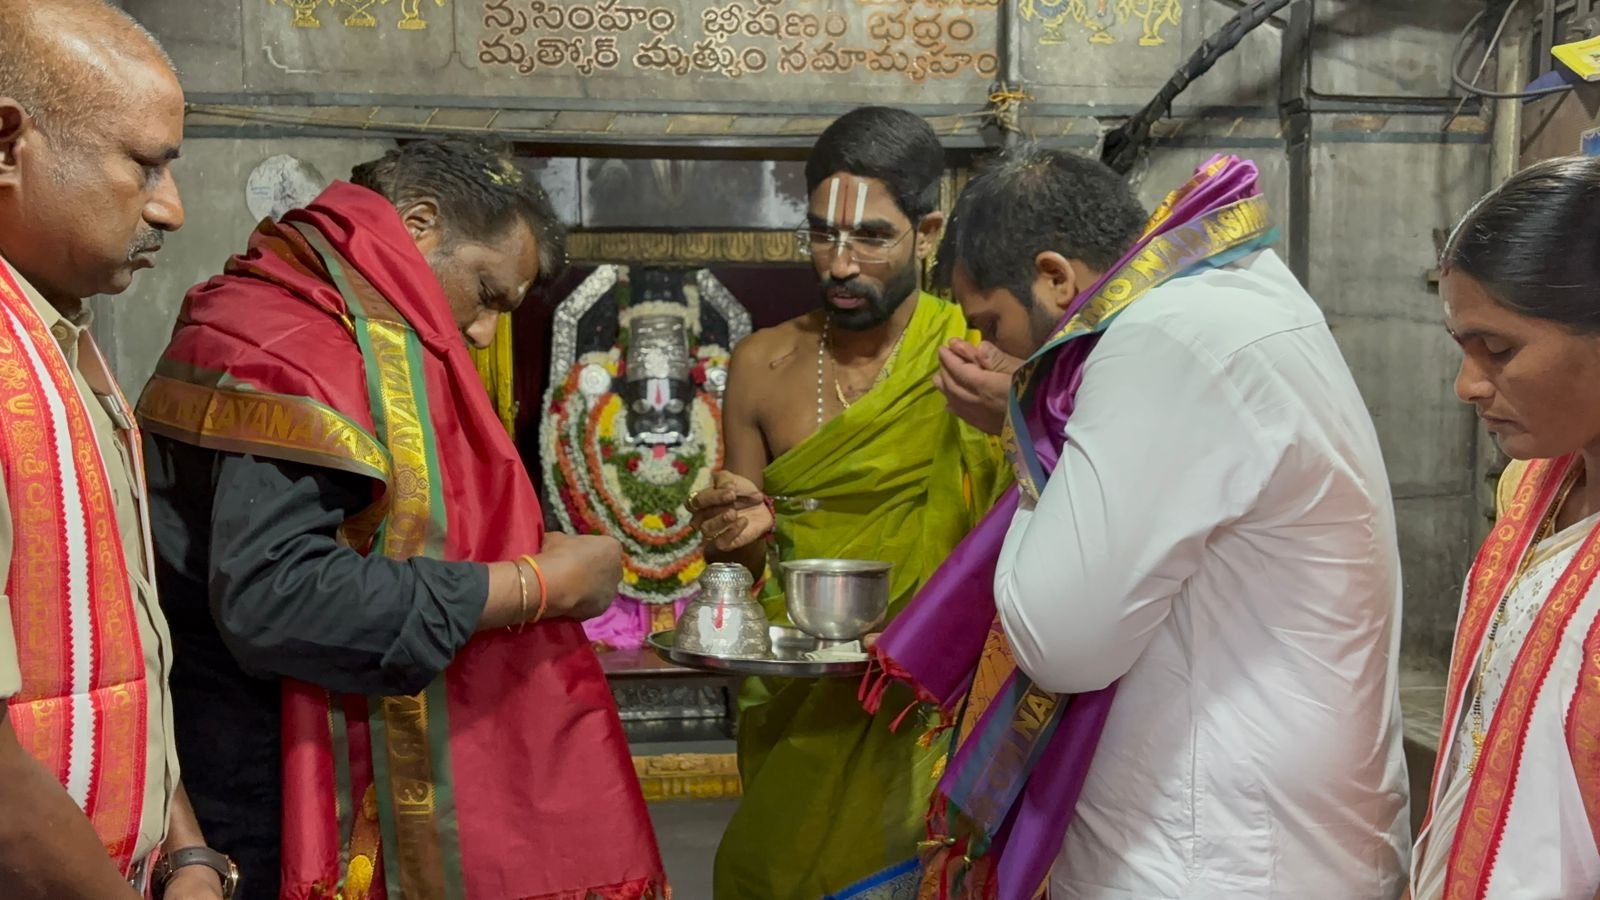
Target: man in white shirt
{"points": [[1217, 538]]}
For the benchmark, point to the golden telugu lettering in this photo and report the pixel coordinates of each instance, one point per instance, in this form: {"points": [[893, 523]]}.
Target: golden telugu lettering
{"points": [[355, 13], [1100, 20]]}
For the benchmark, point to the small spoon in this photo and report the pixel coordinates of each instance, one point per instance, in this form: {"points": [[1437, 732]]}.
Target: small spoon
{"points": [[806, 504]]}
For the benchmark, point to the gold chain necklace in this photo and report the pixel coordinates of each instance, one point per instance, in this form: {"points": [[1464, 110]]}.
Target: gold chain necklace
{"points": [[1480, 731], [883, 372]]}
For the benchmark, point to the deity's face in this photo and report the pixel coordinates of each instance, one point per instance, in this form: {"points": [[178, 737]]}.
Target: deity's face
{"points": [[1534, 382], [864, 249], [657, 391], [658, 411]]}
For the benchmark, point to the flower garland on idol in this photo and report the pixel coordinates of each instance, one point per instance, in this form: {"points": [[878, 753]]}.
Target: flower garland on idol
{"points": [[603, 484]]}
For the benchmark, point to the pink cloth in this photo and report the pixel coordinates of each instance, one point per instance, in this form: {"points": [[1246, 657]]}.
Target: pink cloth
{"points": [[627, 623]]}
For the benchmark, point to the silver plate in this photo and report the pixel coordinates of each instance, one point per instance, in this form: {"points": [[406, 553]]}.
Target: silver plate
{"points": [[789, 647]]}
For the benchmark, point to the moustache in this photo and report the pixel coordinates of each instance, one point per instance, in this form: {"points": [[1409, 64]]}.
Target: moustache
{"points": [[850, 288], [148, 242]]}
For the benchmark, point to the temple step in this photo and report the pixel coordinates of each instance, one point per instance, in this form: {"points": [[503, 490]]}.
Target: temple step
{"points": [[679, 723]]}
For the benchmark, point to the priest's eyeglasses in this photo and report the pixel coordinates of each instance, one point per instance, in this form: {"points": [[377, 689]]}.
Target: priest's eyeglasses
{"points": [[816, 243]]}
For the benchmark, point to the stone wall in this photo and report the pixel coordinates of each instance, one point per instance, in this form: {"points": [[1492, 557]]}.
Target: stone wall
{"points": [[759, 78]]}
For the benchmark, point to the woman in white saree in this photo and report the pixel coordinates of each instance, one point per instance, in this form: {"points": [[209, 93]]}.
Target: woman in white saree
{"points": [[1514, 812]]}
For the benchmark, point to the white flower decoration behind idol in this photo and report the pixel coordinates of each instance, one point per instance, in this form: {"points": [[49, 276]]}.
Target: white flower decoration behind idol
{"points": [[594, 381], [717, 380]]}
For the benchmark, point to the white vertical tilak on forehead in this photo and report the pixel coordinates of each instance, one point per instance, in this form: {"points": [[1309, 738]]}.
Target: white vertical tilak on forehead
{"points": [[861, 202], [833, 199]]}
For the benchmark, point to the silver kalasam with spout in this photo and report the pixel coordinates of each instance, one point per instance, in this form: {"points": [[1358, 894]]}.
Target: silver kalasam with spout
{"points": [[725, 620]]}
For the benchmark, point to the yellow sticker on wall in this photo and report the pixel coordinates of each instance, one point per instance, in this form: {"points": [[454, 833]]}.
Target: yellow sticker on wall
{"points": [[1582, 57]]}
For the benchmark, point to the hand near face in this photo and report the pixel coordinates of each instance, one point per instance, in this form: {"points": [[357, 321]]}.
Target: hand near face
{"points": [[731, 513], [975, 381]]}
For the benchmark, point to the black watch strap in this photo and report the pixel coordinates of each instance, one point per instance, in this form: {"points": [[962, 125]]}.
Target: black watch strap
{"points": [[170, 863]]}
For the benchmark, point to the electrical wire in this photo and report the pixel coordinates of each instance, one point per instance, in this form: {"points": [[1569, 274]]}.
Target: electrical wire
{"points": [[1274, 21], [1127, 143], [1490, 49]]}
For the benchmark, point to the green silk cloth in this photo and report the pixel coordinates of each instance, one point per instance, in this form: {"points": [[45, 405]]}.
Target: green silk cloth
{"points": [[832, 794]]}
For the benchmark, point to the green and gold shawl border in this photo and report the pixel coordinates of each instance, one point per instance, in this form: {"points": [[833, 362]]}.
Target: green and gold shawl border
{"points": [[214, 410], [410, 735], [1212, 239]]}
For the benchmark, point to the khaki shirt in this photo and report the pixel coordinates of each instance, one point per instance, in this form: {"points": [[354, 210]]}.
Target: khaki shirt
{"points": [[161, 778]]}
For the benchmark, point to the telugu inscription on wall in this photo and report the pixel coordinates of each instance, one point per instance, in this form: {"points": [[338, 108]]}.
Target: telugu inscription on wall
{"points": [[901, 41], [652, 54], [1103, 22]]}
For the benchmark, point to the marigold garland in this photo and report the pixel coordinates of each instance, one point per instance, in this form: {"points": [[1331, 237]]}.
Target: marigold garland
{"points": [[640, 491]]}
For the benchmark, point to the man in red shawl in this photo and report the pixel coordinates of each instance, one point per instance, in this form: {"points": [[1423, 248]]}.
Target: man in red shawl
{"points": [[383, 686]]}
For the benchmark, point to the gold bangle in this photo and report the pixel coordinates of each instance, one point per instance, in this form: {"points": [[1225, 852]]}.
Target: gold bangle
{"points": [[522, 605], [544, 589]]}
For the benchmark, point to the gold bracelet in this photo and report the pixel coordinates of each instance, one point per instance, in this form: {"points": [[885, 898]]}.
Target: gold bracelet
{"points": [[522, 605]]}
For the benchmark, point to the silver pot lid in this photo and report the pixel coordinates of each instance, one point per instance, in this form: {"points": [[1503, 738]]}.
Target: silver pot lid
{"points": [[727, 577]]}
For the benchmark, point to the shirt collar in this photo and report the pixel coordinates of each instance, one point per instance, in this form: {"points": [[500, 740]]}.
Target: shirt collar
{"points": [[67, 331]]}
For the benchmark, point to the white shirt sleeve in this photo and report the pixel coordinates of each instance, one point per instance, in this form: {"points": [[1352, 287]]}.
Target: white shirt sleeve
{"points": [[1160, 452]]}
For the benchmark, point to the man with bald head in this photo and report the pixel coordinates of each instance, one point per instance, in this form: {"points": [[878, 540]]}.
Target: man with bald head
{"points": [[91, 116]]}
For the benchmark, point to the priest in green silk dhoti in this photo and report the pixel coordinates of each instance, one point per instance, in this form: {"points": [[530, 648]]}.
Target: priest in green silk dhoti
{"points": [[839, 445], [834, 796]]}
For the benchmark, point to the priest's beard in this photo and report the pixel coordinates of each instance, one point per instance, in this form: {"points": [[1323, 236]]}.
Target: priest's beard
{"points": [[879, 305]]}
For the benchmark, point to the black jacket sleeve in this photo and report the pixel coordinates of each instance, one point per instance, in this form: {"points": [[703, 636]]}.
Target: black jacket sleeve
{"points": [[290, 601]]}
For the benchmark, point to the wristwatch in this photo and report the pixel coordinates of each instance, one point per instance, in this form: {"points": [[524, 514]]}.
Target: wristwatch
{"points": [[170, 863]]}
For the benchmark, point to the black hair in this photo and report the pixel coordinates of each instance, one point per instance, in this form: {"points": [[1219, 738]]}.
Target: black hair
{"points": [[891, 145], [1534, 243], [1034, 201], [480, 187]]}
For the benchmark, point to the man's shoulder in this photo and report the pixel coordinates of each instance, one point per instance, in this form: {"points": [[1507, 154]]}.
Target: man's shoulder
{"points": [[1223, 310], [47, 313], [777, 344]]}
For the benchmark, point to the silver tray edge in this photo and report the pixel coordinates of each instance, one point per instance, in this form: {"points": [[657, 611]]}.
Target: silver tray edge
{"points": [[663, 643]]}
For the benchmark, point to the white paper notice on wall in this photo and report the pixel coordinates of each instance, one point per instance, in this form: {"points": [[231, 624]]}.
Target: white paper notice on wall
{"points": [[280, 184]]}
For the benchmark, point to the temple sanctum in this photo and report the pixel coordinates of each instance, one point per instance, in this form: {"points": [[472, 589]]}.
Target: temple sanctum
{"points": [[671, 138]]}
